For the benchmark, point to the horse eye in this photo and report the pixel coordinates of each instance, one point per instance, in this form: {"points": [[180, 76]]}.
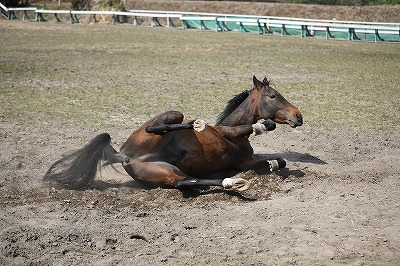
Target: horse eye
{"points": [[272, 96]]}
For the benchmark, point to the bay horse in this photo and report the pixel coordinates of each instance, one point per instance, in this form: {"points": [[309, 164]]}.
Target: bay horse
{"points": [[169, 151]]}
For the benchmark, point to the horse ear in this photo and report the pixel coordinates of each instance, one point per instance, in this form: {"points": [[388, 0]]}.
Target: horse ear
{"points": [[257, 83], [266, 82]]}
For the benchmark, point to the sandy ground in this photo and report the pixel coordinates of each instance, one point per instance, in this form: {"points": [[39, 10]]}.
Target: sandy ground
{"points": [[337, 202]]}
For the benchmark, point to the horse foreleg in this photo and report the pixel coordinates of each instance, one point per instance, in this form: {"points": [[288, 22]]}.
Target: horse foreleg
{"points": [[253, 164], [247, 130]]}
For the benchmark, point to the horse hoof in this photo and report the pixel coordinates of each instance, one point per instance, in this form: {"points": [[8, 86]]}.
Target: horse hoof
{"points": [[281, 162], [269, 124], [276, 164], [239, 184], [258, 129], [199, 125]]}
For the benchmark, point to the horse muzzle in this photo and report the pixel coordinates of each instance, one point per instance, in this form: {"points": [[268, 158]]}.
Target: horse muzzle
{"points": [[295, 121]]}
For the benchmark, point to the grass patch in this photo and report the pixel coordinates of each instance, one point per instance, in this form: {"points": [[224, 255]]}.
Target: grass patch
{"points": [[91, 73]]}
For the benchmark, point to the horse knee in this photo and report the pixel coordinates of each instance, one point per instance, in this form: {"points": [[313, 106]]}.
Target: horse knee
{"points": [[156, 173], [171, 117]]}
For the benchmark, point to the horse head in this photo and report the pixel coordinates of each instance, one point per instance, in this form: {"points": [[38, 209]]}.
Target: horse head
{"points": [[272, 105]]}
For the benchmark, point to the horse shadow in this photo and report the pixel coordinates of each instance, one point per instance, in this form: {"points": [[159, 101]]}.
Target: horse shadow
{"points": [[300, 157], [191, 192], [290, 156]]}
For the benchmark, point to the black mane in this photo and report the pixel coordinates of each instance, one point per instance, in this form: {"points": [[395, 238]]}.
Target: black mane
{"points": [[232, 105]]}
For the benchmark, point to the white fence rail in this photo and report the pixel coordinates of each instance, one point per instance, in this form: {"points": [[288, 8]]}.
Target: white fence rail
{"points": [[9, 13], [226, 22]]}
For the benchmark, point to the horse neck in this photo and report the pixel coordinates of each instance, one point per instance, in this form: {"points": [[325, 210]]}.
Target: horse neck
{"points": [[245, 114]]}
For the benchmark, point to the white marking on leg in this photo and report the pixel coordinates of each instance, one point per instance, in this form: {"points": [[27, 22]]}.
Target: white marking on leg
{"points": [[273, 165], [258, 129]]}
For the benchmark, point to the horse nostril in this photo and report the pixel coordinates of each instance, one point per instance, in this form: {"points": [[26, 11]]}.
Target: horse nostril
{"points": [[299, 118]]}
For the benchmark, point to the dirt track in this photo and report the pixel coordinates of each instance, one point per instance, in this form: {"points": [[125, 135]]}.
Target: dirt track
{"points": [[337, 202]]}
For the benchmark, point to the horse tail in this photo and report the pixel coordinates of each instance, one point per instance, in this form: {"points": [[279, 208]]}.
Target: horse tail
{"points": [[78, 169]]}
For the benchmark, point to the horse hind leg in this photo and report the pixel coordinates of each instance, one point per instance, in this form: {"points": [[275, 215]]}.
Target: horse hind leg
{"points": [[239, 184], [166, 175], [159, 129]]}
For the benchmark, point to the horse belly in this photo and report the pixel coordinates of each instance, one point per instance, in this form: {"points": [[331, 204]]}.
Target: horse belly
{"points": [[209, 154]]}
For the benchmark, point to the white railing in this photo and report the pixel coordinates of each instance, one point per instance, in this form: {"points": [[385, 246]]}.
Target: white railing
{"points": [[306, 27], [9, 13], [74, 16]]}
